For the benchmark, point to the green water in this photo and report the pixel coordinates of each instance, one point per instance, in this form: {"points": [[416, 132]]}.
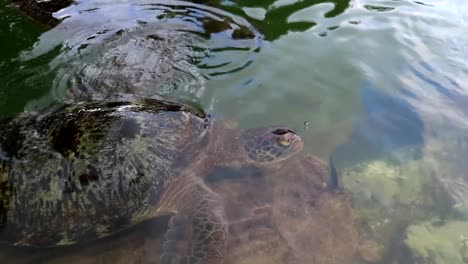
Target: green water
{"points": [[375, 84]]}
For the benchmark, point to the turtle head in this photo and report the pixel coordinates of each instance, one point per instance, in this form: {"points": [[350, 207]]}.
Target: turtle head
{"points": [[269, 145]]}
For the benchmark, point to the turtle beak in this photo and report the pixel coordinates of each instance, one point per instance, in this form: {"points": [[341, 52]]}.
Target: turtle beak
{"points": [[294, 139], [298, 144]]}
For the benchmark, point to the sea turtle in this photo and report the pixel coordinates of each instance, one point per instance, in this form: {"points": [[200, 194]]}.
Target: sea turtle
{"points": [[86, 170], [285, 213]]}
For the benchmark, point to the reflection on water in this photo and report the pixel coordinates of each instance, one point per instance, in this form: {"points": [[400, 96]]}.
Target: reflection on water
{"points": [[380, 85], [281, 17], [145, 49]]}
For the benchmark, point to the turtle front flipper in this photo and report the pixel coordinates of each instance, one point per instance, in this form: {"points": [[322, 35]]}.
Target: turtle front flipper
{"points": [[197, 232]]}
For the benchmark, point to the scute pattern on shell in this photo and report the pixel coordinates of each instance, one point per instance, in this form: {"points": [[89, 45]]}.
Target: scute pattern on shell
{"points": [[84, 171]]}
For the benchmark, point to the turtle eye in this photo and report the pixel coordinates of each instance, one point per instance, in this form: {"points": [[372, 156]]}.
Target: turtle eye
{"points": [[279, 132], [284, 142]]}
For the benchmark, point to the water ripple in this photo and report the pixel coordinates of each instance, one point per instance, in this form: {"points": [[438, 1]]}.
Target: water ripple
{"points": [[150, 49]]}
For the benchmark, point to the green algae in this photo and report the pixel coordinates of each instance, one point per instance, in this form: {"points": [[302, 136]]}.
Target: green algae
{"points": [[393, 193], [439, 244]]}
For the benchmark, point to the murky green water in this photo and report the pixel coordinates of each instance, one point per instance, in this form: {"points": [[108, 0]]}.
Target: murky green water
{"points": [[380, 86]]}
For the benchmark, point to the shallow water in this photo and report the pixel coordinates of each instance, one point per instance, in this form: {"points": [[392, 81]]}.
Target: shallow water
{"points": [[372, 84]]}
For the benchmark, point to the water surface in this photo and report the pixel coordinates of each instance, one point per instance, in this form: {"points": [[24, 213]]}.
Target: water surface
{"points": [[377, 85]]}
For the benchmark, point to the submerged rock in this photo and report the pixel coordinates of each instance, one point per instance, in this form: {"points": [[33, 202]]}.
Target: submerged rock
{"points": [[393, 193], [438, 243], [42, 11], [400, 195]]}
